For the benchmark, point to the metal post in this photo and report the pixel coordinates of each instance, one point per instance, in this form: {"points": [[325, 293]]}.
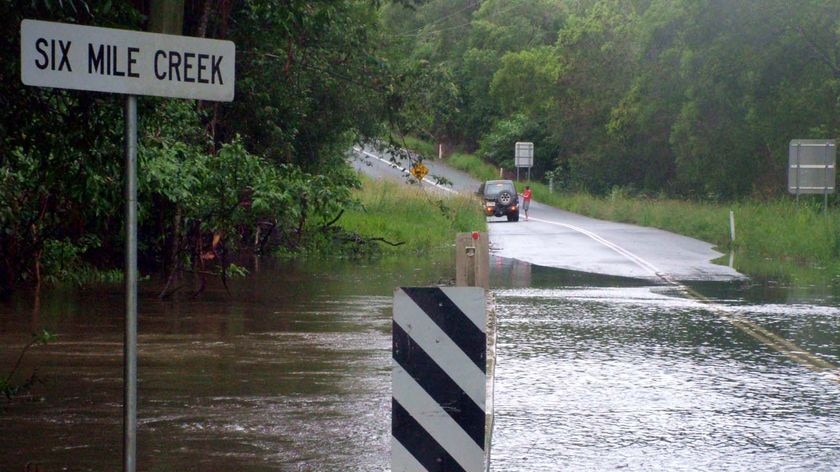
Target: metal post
{"points": [[130, 345], [825, 180], [798, 148], [732, 225]]}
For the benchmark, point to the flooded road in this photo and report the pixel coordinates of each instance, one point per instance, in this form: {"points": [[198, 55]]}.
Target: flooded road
{"points": [[291, 372], [597, 373]]}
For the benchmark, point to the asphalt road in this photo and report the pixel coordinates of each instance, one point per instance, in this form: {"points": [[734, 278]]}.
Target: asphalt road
{"points": [[555, 238]]}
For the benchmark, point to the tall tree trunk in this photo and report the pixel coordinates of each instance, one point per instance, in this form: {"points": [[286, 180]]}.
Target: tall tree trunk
{"points": [[166, 16]]}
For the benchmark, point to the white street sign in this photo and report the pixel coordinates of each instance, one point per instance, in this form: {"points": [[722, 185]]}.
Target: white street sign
{"points": [[524, 154], [812, 166], [77, 57]]}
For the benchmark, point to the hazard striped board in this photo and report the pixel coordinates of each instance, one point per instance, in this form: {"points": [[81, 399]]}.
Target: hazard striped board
{"points": [[439, 379]]}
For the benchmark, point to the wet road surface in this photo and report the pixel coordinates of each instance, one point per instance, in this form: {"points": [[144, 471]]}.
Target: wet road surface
{"points": [[643, 355], [291, 370], [597, 373], [560, 239]]}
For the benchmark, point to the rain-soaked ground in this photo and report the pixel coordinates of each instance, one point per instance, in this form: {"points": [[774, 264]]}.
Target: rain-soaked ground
{"points": [[291, 372]]}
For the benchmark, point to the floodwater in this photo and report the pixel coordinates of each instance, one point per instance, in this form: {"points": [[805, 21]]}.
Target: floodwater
{"points": [[290, 371], [597, 373]]}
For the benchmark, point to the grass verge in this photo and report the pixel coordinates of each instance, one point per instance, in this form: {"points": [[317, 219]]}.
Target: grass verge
{"points": [[780, 240], [474, 166], [774, 240], [421, 219]]}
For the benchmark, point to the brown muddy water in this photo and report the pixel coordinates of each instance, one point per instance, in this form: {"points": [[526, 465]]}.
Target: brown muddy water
{"points": [[291, 372]]}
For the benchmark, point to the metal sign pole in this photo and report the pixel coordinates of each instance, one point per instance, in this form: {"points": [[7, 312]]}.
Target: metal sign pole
{"points": [[798, 168], [825, 179], [139, 76], [130, 345]]}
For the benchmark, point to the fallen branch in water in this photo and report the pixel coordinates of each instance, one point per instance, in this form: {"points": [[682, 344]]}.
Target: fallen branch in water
{"points": [[386, 241], [10, 390]]}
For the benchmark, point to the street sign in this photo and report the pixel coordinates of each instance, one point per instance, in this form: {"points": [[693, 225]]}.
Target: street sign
{"points": [[812, 166], [524, 154], [96, 59], [419, 171], [134, 63]]}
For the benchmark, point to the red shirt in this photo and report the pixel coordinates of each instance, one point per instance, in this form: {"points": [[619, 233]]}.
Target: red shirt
{"points": [[526, 194]]}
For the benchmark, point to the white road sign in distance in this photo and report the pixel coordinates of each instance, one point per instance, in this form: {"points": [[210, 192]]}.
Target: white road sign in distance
{"points": [[524, 154], [77, 57], [812, 166]]}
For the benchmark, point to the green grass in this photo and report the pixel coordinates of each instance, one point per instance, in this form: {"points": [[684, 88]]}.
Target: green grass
{"points": [[424, 220], [468, 163], [473, 166], [778, 239], [425, 148]]}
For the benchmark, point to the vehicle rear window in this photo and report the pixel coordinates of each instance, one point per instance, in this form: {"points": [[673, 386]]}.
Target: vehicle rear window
{"points": [[492, 189]]}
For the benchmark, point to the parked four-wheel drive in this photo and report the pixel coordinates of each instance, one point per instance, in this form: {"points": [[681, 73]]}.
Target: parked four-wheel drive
{"points": [[500, 199]]}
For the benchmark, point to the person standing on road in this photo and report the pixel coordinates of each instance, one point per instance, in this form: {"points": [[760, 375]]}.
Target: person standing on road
{"points": [[526, 200]]}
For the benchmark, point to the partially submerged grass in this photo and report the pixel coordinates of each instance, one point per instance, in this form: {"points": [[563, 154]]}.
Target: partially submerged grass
{"points": [[778, 239], [423, 220], [790, 242]]}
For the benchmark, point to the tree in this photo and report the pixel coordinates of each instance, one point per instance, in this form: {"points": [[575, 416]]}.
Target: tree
{"points": [[310, 81]]}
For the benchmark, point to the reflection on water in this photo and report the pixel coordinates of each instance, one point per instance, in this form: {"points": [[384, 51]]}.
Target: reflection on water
{"points": [[290, 371], [599, 375]]}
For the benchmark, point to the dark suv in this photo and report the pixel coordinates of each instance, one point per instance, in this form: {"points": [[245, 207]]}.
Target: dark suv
{"points": [[500, 199]]}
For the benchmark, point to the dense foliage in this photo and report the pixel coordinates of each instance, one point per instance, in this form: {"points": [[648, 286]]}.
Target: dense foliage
{"points": [[268, 168], [687, 97], [691, 98]]}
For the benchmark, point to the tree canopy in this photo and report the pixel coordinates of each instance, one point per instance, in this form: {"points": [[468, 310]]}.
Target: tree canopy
{"points": [[688, 97], [311, 80], [693, 98]]}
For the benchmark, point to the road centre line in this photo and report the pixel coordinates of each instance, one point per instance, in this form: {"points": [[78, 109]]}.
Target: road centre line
{"points": [[757, 332], [615, 247]]}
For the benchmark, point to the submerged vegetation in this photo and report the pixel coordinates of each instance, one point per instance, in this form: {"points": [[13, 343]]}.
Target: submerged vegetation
{"points": [[10, 384]]}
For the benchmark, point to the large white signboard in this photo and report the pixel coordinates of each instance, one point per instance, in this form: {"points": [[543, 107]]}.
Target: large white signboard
{"points": [[524, 154], [811, 166], [121, 61]]}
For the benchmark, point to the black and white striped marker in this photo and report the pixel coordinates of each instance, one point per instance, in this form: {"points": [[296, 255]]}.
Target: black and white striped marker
{"points": [[439, 379]]}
